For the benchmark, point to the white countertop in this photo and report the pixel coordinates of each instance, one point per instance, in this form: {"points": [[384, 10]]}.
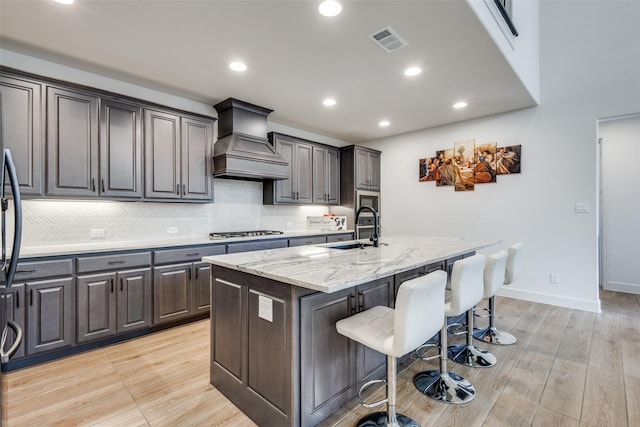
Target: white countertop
{"points": [[102, 246], [326, 269]]}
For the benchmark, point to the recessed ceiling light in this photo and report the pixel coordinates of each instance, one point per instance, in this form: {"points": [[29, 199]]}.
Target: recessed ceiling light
{"points": [[330, 8], [384, 123], [64, 1], [459, 105], [238, 66], [329, 102], [412, 71]]}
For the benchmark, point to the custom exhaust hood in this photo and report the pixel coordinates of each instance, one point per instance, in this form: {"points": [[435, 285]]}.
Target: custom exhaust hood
{"points": [[242, 150]]}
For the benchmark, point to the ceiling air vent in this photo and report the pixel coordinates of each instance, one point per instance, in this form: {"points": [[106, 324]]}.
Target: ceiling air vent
{"points": [[388, 39]]}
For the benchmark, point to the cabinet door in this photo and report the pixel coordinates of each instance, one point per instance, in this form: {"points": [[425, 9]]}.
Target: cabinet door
{"points": [[202, 287], [327, 358], [362, 169], [49, 315], [162, 155], [333, 176], [374, 171], [173, 292], [303, 173], [120, 150], [320, 179], [96, 303], [371, 364], [72, 143], [13, 298], [22, 130], [196, 158], [286, 188], [134, 301]]}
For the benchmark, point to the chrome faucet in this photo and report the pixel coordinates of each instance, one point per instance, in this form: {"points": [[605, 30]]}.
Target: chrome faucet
{"points": [[374, 238]]}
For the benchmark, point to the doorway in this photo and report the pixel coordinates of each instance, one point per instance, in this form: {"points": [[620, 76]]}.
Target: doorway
{"points": [[619, 143]]}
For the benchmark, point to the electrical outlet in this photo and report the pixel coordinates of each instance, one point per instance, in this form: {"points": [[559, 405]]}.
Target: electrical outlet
{"points": [[289, 225], [583, 207], [554, 278], [97, 233], [172, 230]]}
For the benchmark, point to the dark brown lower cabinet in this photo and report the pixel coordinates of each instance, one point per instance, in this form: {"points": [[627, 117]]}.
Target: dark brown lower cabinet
{"points": [[111, 303], [253, 345], [173, 292], [50, 314], [333, 367], [181, 291]]}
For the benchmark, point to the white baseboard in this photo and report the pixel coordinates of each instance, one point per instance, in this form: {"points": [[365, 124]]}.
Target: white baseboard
{"points": [[629, 288], [562, 301]]}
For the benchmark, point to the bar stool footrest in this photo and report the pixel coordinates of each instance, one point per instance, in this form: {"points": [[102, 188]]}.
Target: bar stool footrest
{"points": [[380, 419], [372, 404]]}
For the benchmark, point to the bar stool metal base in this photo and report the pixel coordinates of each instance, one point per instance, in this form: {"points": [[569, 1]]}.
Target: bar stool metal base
{"points": [[448, 388], [379, 419], [470, 355], [492, 335]]}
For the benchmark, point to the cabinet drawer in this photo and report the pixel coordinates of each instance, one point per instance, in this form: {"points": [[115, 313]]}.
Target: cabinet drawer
{"points": [[308, 240], [113, 262], [342, 237], [185, 255], [233, 248], [27, 271]]}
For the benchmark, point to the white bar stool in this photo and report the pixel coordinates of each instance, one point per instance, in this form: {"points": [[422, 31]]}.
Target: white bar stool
{"points": [[418, 315], [466, 291], [498, 272]]}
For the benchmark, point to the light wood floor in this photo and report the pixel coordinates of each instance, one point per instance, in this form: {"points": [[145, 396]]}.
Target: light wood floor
{"points": [[569, 368]]}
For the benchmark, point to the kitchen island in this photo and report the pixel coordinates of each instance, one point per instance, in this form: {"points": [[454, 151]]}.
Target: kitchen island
{"points": [[275, 351]]}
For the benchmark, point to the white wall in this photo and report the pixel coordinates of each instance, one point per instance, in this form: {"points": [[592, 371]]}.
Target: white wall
{"points": [[588, 71], [521, 52]]}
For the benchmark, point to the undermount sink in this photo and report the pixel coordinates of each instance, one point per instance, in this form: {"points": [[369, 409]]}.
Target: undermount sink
{"points": [[351, 246]]}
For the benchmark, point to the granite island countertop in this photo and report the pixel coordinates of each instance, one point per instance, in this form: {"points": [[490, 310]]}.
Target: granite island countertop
{"points": [[327, 269]]}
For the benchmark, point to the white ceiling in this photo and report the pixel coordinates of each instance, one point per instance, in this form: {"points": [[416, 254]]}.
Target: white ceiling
{"points": [[296, 57]]}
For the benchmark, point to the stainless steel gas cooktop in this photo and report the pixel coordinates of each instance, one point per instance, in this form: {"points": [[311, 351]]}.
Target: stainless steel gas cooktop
{"points": [[230, 234]]}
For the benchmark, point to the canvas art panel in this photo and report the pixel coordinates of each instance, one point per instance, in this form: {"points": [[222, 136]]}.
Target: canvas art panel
{"points": [[508, 159], [428, 168], [445, 171], [485, 162], [464, 164]]}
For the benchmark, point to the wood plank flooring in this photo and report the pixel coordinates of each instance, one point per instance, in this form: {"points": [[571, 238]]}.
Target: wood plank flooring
{"points": [[569, 368]]}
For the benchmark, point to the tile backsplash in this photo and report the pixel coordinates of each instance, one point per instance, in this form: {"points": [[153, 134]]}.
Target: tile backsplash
{"points": [[237, 206]]}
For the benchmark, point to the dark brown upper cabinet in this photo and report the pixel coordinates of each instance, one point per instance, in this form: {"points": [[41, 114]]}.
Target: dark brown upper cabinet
{"points": [[120, 150], [22, 130], [314, 171], [178, 156], [72, 143], [326, 175], [367, 169]]}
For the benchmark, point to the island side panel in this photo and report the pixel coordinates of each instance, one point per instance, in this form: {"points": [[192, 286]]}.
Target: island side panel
{"points": [[252, 346]]}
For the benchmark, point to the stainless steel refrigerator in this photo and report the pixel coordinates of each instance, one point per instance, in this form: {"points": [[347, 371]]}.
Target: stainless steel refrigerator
{"points": [[11, 331]]}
